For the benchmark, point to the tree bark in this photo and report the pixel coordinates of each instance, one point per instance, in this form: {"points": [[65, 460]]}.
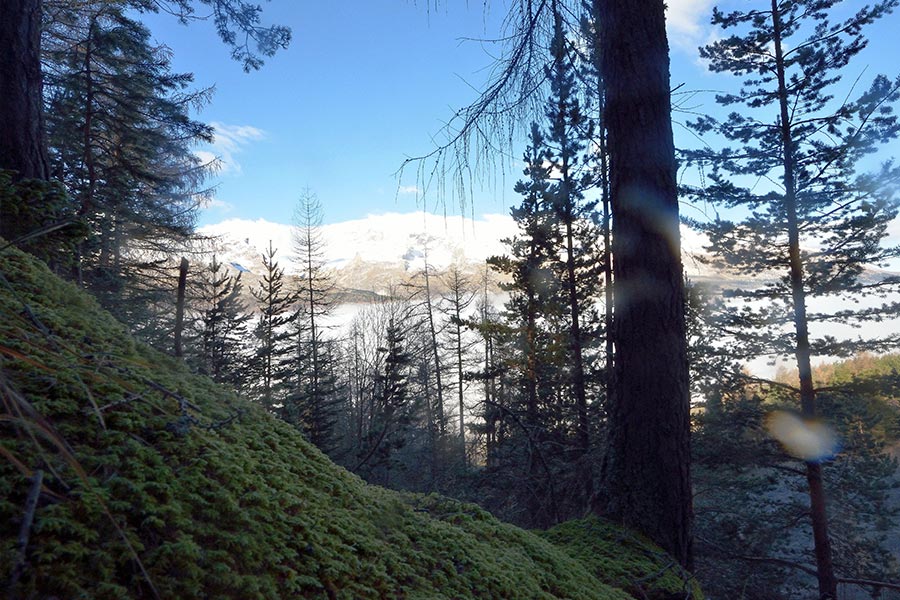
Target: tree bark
{"points": [[646, 471], [22, 144]]}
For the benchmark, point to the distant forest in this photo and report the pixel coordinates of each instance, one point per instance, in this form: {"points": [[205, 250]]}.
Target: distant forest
{"points": [[605, 383]]}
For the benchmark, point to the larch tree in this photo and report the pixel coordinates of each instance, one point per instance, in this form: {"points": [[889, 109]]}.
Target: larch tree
{"points": [[647, 470], [456, 302], [313, 394], [819, 222]]}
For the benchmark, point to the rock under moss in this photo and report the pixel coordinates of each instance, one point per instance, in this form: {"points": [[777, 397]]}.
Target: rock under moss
{"points": [[159, 483]]}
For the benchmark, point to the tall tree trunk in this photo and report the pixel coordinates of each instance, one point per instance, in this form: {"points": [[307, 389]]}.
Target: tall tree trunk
{"points": [[179, 306], [22, 144], [576, 343], [435, 350], [824, 565], [647, 467], [457, 322]]}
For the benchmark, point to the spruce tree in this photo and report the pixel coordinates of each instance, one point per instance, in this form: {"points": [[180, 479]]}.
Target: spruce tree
{"points": [[121, 140], [272, 335], [216, 345], [391, 408], [820, 222], [569, 132], [533, 304]]}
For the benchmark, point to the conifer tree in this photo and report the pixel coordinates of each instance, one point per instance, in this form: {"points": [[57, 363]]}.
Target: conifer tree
{"points": [[219, 329], [313, 398], [121, 140], [533, 304], [391, 408], [455, 304], [272, 333], [820, 222], [569, 260], [568, 134]]}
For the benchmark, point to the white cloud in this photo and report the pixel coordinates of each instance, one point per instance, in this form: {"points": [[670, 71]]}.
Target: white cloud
{"points": [[228, 142], [408, 189], [687, 22]]}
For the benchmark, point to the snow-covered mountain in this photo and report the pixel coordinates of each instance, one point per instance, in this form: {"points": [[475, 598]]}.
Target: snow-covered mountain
{"points": [[381, 250], [393, 241]]}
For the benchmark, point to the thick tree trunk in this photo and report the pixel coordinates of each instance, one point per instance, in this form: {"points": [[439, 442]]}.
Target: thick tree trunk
{"points": [[824, 564], [647, 468], [22, 144]]}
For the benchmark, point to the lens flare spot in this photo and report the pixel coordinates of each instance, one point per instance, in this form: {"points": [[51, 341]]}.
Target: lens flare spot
{"points": [[811, 441]]}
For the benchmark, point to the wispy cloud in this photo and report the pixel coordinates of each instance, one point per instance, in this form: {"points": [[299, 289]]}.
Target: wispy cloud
{"points": [[220, 205], [408, 189], [228, 142]]}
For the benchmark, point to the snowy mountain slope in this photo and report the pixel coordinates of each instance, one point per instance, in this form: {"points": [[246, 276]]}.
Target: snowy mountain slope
{"points": [[391, 238], [381, 250]]}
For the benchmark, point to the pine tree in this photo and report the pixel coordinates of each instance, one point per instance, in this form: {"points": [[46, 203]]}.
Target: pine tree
{"points": [[646, 484], [271, 360], [820, 222]]}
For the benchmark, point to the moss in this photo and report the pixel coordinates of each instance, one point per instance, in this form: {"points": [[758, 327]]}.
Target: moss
{"points": [[624, 559], [158, 482]]}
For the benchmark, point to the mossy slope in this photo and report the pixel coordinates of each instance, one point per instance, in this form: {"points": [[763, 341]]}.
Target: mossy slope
{"points": [[624, 559], [159, 483]]}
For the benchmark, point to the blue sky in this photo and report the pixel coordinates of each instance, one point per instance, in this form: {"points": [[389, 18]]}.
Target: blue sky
{"points": [[366, 83]]}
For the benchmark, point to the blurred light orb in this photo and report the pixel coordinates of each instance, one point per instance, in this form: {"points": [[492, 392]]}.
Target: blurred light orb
{"points": [[811, 441]]}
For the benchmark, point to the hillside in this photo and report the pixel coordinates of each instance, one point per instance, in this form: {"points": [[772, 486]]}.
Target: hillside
{"points": [[158, 483]]}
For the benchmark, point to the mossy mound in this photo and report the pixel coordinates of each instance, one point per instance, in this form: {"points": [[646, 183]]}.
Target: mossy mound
{"points": [[624, 559], [159, 483]]}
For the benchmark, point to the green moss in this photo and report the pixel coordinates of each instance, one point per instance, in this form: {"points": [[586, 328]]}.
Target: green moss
{"points": [[142, 486], [624, 559]]}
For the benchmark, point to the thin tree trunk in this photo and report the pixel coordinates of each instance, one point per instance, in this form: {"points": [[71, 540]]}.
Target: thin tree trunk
{"points": [[576, 343], [179, 306], [824, 565], [434, 350], [22, 143], [647, 467], [87, 203], [457, 311]]}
